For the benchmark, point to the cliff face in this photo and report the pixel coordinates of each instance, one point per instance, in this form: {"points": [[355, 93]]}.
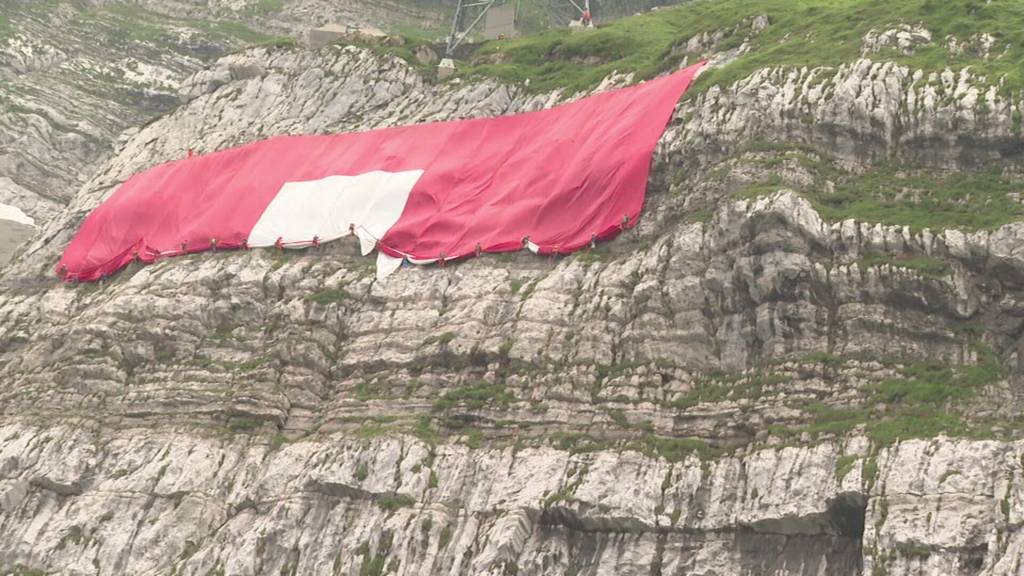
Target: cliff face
{"points": [[747, 383], [74, 76]]}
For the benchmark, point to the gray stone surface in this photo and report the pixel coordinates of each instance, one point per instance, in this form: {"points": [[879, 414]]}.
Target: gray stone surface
{"points": [[265, 413]]}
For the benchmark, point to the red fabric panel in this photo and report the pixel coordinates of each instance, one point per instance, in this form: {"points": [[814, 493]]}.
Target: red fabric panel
{"points": [[560, 176]]}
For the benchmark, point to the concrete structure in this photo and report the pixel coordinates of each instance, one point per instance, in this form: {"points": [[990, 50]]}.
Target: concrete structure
{"points": [[446, 68], [327, 34], [501, 22]]}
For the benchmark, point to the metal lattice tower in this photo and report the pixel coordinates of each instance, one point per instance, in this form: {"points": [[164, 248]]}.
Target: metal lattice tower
{"points": [[469, 13]]}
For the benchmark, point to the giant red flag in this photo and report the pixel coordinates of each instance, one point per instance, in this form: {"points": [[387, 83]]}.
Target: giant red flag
{"points": [[553, 180]]}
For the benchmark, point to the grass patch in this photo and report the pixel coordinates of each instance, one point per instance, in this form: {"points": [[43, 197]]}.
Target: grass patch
{"points": [[702, 216], [244, 424], [925, 401], [278, 42], [424, 429], [579, 442], [278, 440], [418, 33], [329, 296], [924, 265], [392, 502], [362, 471], [374, 564], [405, 49], [263, 7], [475, 396], [721, 387], [440, 340], [893, 195], [132, 23], [844, 465], [671, 449], [801, 33], [22, 570], [445, 538], [961, 200], [675, 449], [375, 427], [826, 359]]}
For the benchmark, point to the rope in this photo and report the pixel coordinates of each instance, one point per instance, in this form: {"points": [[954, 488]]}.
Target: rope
{"points": [[478, 250]]}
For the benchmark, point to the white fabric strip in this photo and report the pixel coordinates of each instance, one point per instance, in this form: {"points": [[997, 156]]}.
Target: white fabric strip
{"points": [[15, 214], [387, 265], [329, 208], [367, 242]]}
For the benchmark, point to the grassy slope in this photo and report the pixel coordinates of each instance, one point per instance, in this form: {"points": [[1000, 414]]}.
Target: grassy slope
{"points": [[897, 195], [802, 33]]}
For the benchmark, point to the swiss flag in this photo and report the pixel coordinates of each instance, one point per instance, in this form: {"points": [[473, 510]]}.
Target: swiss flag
{"points": [[553, 181]]}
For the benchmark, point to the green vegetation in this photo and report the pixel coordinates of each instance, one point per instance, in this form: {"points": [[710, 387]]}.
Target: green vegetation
{"points": [[671, 449], [914, 549], [75, 535], [885, 194], [619, 417], [248, 365], [278, 42], [405, 48], [472, 437], [702, 216], [475, 396], [267, 6], [720, 387], [281, 257], [418, 33], [445, 538], [923, 402], [367, 390], [564, 494], [801, 33], [243, 424], [674, 449], [188, 551], [424, 429], [925, 265], [870, 469], [373, 564], [392, 502], [130, 22], [329, 296], [362, 471], [844, 464], [278, 440], [375, 427], [22, 570], [441, 340], [963, 200], [1004, 505]]}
